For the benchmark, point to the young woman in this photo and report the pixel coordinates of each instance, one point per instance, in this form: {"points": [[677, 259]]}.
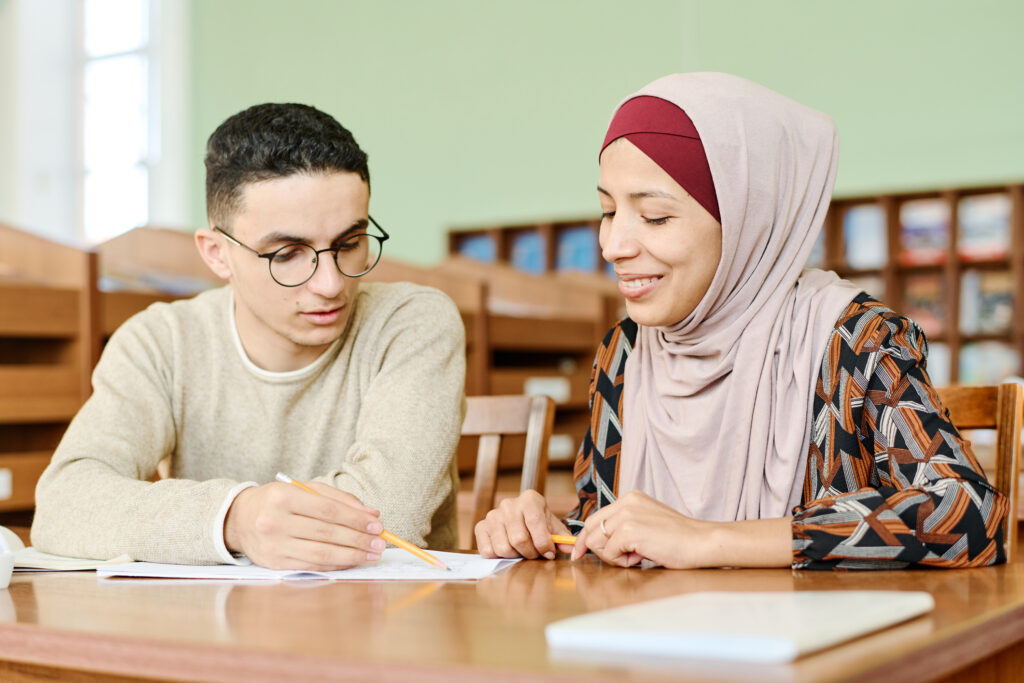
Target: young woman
{"points": [[747, 412]]}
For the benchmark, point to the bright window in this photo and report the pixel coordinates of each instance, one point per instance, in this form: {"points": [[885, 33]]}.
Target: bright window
{"points": [[116, 116]]}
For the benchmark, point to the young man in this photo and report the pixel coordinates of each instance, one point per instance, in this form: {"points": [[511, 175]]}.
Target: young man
{"points": [[292, 367]]}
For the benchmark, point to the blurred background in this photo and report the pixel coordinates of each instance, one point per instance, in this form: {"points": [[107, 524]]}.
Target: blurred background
{"points": [[482, 121], [474, 113]]}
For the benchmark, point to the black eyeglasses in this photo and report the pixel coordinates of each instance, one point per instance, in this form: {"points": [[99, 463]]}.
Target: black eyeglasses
{"points": [[294, 264]]}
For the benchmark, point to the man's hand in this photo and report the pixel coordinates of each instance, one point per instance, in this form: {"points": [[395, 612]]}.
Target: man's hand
{"points": [[520, 527], [280, 526]]}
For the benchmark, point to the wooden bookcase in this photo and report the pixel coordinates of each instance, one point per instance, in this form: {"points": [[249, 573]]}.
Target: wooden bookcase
{"points": [[146, 265], [48, 344], [944, 284], [538, 248]]}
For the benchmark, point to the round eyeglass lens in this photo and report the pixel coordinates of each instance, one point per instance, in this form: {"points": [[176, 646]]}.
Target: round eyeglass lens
{"points": [[293, 265], [296, 263], [358, 254]]}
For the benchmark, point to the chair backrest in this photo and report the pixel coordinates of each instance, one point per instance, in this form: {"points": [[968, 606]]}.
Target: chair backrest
{"points": [[494, 417], [996, 407]]}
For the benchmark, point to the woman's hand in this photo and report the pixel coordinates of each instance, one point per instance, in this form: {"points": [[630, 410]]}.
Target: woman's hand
{"points": [[637, 527], [520, 527]]}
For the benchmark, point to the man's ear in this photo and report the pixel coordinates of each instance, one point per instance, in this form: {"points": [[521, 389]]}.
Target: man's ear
{"points": [[210, 249]]}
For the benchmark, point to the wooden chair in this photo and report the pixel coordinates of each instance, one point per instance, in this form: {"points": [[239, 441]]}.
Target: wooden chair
{"points": [[494, 417], [996, 407]]}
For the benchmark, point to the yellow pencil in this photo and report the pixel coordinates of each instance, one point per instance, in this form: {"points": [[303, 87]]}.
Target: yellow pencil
{"points": [[567, 540], [386, 535]]}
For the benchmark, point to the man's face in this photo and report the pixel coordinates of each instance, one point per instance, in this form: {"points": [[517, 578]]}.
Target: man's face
{"points": [[286, 328]]}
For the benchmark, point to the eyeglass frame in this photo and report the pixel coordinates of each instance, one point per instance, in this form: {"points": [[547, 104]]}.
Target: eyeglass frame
{"points": [[382, 238]]}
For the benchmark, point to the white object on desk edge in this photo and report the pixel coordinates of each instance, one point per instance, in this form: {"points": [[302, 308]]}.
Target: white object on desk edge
{"points": [[6, 562], [745, 626]]}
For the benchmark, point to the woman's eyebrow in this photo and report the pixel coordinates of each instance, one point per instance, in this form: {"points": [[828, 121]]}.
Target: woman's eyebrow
{"points": [[660, 194]]}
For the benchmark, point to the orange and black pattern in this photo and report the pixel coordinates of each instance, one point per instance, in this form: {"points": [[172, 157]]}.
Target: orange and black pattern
{"points": [[889, 482]]}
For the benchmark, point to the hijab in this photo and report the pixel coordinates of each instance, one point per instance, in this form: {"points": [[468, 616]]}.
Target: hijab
{"points": [[716, 407]]}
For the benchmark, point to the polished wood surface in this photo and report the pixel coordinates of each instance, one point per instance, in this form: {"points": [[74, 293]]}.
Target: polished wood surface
{"points": [[77, 627]]}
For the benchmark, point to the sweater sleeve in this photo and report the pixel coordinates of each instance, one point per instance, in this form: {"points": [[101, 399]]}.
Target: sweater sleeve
{"points": [[890, 480], [94, 499], [402, 461]]}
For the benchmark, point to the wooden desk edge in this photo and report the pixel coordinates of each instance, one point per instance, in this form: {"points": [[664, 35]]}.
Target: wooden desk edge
{"points": [[53, 650]]}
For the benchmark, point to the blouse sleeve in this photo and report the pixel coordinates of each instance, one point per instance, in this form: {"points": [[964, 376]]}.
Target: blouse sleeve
{"points": [[890, 481], [596, 465]]}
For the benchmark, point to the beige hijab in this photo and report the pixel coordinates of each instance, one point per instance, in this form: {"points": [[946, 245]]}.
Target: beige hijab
{"points": [[717, 407]]}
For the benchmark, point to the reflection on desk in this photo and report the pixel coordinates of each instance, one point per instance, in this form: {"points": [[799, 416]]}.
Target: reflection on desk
{"points": [[51, 624]]}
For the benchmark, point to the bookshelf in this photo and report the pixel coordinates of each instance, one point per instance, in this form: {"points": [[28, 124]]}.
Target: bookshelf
{"points": [[145, 265], [951, 259], [48, 345], [538, 248]]}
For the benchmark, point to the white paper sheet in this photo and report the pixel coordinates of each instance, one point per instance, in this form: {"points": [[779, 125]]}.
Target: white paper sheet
{"points": [[31, 560], [394, 565]]}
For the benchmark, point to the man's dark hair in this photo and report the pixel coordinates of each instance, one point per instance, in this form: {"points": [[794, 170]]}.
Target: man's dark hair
{"points": [[273, 141]]}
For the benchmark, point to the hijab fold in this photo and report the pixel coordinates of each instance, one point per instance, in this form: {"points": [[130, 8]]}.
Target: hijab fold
{"points": [[716, 407]]}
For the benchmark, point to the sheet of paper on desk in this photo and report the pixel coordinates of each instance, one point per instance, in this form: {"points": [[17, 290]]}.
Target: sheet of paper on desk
{"points": [[32, 560], [761, 627], [394, 565]]}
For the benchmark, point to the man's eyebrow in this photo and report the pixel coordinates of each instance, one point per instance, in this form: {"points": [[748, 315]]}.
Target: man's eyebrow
{"points": [[278, 237]]}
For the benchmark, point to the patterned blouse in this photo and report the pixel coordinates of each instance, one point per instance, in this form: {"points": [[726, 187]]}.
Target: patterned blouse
{"points": [[889, 483]]}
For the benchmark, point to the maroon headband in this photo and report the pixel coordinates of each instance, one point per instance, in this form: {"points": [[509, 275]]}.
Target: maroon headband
{"points": [[664, 132]]}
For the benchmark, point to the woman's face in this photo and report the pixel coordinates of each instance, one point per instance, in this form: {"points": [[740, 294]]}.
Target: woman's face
{"points": [[664, 245]]}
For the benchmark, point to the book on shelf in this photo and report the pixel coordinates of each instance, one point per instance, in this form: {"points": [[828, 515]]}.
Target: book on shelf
{"points": [[478, 248], [527, 252], [988, 362], [984, 227], [986, 301], [864, 236], [924, 231], [576, 249], [925, 303]]}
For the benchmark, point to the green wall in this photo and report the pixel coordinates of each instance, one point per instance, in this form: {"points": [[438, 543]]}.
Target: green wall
{"points": [[478, 113], [925, 94]]}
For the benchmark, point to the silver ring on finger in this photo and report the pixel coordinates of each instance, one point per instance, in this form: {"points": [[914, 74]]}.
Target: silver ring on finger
{"points": [[603, 530]]}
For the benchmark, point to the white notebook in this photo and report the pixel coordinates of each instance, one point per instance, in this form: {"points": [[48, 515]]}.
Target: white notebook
{"points": [[754, 627]]}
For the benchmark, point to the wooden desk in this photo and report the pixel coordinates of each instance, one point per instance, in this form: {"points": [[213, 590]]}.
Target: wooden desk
{"points": [[72, 626]]}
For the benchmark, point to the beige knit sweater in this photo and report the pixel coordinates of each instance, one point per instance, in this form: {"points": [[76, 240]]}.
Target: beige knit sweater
{"points": [[377, 415]]}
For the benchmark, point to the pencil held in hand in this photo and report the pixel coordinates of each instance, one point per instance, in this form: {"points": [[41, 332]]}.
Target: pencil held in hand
{"points": [[565, 540], [386, 535]]}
